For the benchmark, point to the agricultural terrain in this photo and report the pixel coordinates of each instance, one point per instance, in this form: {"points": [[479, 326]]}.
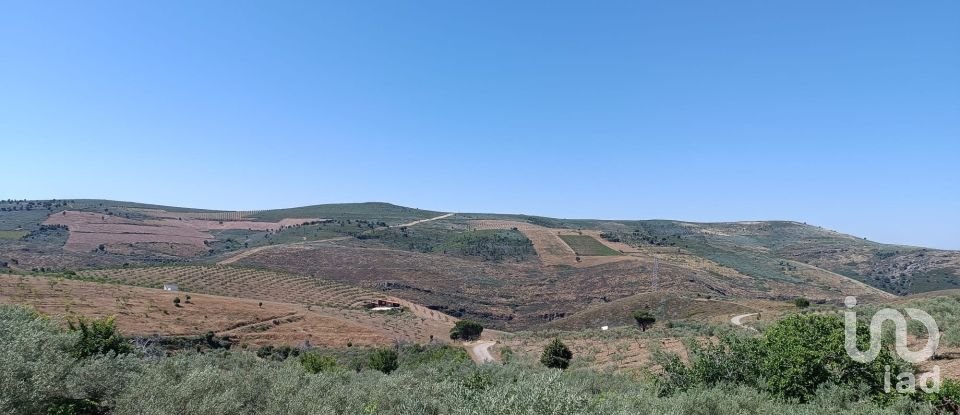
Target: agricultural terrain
{"points": [[146, 312], [511, 272]]}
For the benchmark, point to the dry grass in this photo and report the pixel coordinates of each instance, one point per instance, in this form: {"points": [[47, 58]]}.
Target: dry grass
{"points": [[145, 311], [241, 283], [616, 353], [89, 230], [524, 295]]}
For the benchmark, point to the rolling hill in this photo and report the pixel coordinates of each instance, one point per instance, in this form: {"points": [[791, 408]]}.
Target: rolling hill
{"points": [[509, 271]]}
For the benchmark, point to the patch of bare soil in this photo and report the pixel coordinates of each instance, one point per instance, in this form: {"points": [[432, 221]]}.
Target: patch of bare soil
{"points": [[145, 311], [90, 230]]}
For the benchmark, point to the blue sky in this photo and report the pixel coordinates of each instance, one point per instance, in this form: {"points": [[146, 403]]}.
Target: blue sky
{"points": [[844, 114]]}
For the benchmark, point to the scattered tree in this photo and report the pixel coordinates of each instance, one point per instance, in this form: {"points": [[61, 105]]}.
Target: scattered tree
{"points": [[466, 330], [176, 302], [556, 355], [644, 319]]}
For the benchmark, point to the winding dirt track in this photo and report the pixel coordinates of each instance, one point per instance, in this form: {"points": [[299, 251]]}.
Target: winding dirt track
{"points": [[738, 321]]}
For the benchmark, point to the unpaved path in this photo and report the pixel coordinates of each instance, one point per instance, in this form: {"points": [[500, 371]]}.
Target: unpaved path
{"points": [[480, 351], [738, 321], [416, 222]]}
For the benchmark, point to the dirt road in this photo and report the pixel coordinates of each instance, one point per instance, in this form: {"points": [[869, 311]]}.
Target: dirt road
{"points": [[738, 321], [480, 351], [444, 216]]}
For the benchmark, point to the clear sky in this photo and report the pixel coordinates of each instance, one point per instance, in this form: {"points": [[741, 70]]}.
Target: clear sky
{"points": [[844, 114]]}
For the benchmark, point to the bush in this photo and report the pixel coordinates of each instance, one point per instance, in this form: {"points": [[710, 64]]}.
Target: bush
{"points": [[315, 363], [947, 401], [279, 354], [40, 373], [801, 303], [384, 360], [556, 355], [793, 359], [466, 330], [98, 337], [644, 319], [806, 351]]}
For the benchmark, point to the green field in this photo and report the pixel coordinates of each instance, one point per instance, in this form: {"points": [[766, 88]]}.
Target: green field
{"points": [[12, 235], [587, 246]]}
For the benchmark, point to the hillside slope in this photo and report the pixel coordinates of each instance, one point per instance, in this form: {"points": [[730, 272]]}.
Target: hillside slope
{"points": [[510, 271]]}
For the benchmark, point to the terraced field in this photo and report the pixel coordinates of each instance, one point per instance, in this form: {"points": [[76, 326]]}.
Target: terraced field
{"points": [[241, 283], [585, 245], [152, 312]]}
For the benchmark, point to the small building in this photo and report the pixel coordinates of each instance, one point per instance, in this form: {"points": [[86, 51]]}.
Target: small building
{"points": [[170, 287], [383, 305]]}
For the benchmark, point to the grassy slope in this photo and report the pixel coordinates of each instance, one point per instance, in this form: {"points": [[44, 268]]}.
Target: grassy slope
{"points": [[47, 252], [664, 306], [392, 214], [587, 246], [766, 250]]}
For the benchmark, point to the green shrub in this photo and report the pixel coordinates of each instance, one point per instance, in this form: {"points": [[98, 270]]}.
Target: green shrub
{"points": [[804, 352], [384, 360], [801, 303], [793, 359], [466, 330], [556, 355], [98, 337], [279, 353], [40, 373], [423, 355], [315, 363], [947, 400]]}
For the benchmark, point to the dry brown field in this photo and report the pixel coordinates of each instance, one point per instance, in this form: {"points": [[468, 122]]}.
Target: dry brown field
{"points": [[90, 230], [145, 312]]}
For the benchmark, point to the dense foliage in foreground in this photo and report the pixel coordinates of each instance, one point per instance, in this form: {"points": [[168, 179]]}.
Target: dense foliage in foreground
{"points": [[40, 373]]}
